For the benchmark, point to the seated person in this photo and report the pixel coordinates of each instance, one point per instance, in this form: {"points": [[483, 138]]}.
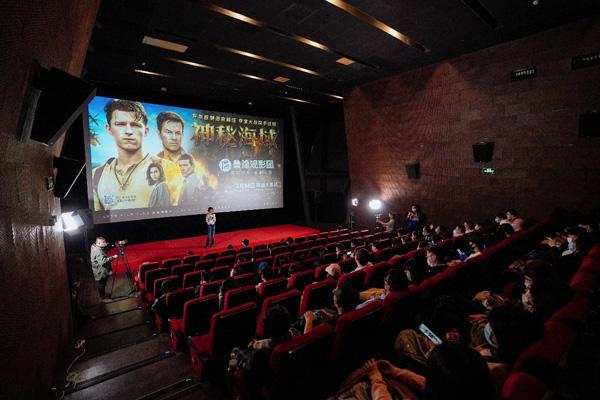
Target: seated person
{"points": [[501, 219], [453, 371], [544, 292], [245, 243], [345, 299], [435, 261], [515, 221], [375, 247], [333, 271], [475, 246], [427, 234], [394, 281], [414, 272], [265, 274], [458, 231], [159, 306], [256, 360], [228, 284], [469, 226], [362, 259]]}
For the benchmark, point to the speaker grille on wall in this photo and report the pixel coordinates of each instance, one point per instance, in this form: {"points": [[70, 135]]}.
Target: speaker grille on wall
{"points": [[412, 171], [589, 125], [483, 151], [55, 100]]}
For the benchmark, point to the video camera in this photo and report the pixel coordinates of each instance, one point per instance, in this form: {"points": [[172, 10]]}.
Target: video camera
{"points": [[118, 243]]}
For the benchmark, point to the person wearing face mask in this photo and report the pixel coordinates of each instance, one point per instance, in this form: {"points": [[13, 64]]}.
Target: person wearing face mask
{"points": [[414, 218], [458, 231], [501, 219], [544, 291]]}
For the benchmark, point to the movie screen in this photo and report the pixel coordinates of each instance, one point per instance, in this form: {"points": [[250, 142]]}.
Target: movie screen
{"points": [[148, 160]]}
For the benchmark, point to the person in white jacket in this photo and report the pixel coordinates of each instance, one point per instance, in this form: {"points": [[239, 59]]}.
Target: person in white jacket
{"points": [[211, 219]]}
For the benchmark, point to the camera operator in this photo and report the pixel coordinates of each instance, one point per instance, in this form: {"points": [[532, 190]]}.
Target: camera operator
{"points": [[101, 264]]}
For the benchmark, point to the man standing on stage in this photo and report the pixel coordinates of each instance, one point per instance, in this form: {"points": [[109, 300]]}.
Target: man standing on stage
{"points": [[101, 264], [120, 183], [170, 128], [211, 219], [191, 190]]}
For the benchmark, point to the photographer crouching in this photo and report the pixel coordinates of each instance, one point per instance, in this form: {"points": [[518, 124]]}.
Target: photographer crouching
{"points": [[101, 264]]}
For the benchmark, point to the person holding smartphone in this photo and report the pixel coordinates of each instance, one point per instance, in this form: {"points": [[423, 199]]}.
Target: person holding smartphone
{"points": [[211, 220]]}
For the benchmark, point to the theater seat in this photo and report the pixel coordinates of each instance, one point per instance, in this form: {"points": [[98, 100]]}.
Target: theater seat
{"points": [[320, 273], [301, 366], [237, 297], [522, 386], [211, 256], [544, 357], [195, 321], [231, 328], [574, 312], [356, 337], [204, 265], [175, 302], [228, 252], [299, 255], [300, 280], [317, 295], [290, 300], [261, 254], [272, 287], [151, 276], [267, 259], [181, 270], [220, 272], [275, 251], [146, 266], [357, 278], [156, 291], [584, 282], [348, 265], [375, 274], [191, 259], [281, 256], [245, 267], [192, 279], [171, 262], [245, 279], [210, 288], [226, 260]]}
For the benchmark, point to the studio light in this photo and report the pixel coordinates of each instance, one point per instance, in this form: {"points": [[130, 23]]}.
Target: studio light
{"points": [[71, 221], [355, 202], [375, 204]]}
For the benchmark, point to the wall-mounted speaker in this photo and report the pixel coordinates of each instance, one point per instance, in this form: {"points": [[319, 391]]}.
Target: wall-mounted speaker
{"points": [[483, 151], [589, 124], [413, 171], [55, 99]]}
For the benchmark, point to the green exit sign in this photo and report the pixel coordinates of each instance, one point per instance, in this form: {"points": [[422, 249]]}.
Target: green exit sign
{"points": [[488, 171]]}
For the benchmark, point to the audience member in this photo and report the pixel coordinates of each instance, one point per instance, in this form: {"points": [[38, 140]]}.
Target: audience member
{"points": [[394, 281], [544, 292], [345, 298], [415, 273], [469, 226], [458, 231], [475, 246], [515, 221], [435, 261], [414, 218], [333, 271], [159, 307], [362, 259], [389, 225], [228, 284]]}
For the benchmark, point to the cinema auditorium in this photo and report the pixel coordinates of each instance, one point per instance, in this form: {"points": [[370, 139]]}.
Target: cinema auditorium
{"points": [[300, 199]]}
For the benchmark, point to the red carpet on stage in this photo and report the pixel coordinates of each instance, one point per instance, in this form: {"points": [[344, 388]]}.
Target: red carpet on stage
{"points": [[156, 251]]}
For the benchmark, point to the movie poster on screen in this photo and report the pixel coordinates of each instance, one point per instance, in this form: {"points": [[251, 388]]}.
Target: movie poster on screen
{"points": [[150, 161]]}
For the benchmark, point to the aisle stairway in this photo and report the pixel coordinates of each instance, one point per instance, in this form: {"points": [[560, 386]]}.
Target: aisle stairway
{"points": [[126, 359]]}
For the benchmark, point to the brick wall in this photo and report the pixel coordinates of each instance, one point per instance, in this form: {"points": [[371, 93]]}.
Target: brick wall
{"points": [[35, 321], [434, 114]]}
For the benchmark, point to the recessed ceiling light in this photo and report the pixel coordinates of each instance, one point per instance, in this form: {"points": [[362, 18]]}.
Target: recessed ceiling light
{"points": [[335, 96], [164, 44], [298, 100], [191, 63], [143, 71], [267, 59], [361, 15], [256, 78], [281, 79], [344, 61]]}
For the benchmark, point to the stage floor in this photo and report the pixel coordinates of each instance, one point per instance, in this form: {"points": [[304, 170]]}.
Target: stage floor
{"points": [[156, 251]]}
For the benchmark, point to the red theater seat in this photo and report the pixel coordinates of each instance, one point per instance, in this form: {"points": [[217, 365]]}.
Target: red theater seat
{"points": [[261, 253], [300, 280], [281, 256], [348, 265], [357, 278], [156, 290], [275, 251], [272, 287], [301, 366], [192, 279], [204, 265], [290, 300], [574, 312], [228, 252], [191, 259], [146, 266], [522, 386], [220, 272], [151, 276], [584, 282], [384, 254], [375, 274], [226, 260], [181, 270], [237, 297], [245, 267], [195, 321], [171, 262], [228, 329], [320, 273], [356, 337], [317, 295], [211, 256], [245, 279], [299, 255], [544, 357], [210, 288], [176, 300]]}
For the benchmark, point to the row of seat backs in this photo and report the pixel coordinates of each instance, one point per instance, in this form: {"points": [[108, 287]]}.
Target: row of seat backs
{"points": [[540, 364]]}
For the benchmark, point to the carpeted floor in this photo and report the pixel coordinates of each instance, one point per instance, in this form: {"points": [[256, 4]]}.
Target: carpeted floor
{"points": [[155, 251]]}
